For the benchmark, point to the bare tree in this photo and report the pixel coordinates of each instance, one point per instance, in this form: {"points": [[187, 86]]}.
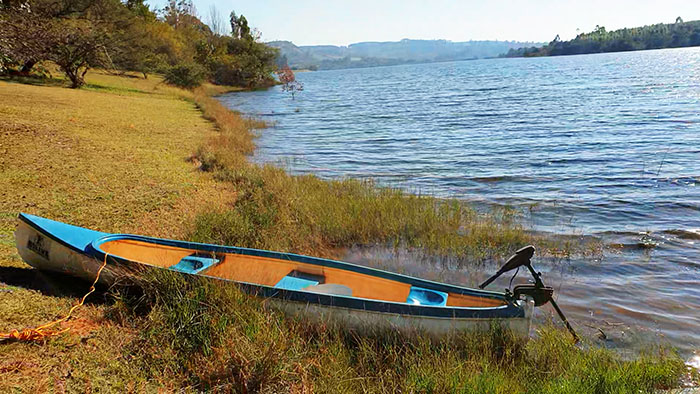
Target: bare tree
{"points": [[216, 21], [256, 34]]}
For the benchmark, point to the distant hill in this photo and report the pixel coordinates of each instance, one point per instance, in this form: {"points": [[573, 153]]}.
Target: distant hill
{"points": [[670, 35], [368, 54]]}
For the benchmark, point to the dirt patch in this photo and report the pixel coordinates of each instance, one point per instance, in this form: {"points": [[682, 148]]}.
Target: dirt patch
{"points": [[82, 327]]}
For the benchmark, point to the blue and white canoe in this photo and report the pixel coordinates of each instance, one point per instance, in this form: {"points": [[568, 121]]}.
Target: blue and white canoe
{"points": [[313, 288]]}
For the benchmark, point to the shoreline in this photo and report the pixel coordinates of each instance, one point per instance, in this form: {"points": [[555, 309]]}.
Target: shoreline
{"points": [[595, 251], [618, 257]]}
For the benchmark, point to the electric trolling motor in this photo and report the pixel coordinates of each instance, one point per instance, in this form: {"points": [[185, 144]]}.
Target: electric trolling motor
{"points": [[540, 293]]}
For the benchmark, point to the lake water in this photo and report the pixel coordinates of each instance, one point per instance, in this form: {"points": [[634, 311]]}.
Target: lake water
{"points": [[606, 146]]}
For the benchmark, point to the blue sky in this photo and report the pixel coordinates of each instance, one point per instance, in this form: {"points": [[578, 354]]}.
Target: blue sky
{"points": [[341, 22]]}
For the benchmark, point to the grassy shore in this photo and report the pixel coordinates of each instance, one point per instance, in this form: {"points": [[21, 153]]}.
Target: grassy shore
{"points": [[134, 155]]}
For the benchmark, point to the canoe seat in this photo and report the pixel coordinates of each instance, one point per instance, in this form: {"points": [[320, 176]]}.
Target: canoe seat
{"points": [[428, 297], [194, 264], [297, 280], [330, 288]]}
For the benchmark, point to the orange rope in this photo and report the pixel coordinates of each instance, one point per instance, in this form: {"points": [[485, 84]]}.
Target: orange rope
{"points": [[45, 331]]}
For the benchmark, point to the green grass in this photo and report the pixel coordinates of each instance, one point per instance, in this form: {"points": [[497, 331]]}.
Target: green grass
{"points": [[236, 344]]}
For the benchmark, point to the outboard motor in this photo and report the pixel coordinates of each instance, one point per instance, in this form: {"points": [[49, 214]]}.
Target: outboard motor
{"points": [[540, 293]]}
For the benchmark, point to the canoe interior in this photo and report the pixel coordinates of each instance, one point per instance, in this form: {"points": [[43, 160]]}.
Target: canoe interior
{"points": [[288, 274]]}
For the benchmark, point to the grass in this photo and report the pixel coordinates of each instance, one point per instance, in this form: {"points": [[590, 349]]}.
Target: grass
{"points": [[238, 345], [126, 154], [112, 158]]}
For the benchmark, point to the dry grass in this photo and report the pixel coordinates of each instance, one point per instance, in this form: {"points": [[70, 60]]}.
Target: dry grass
{"points": [[112, 157], [96, 158]]}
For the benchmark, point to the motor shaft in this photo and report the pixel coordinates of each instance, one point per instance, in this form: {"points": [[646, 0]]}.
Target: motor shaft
{"points": [[563, 318]]}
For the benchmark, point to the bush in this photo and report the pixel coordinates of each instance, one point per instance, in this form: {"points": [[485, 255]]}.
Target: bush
{"points": [[186, 75], [246, 63], [5, 61], [226, 71]]}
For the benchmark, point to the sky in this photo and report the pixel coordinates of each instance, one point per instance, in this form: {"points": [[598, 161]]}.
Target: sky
{"points": [[342, 22]]}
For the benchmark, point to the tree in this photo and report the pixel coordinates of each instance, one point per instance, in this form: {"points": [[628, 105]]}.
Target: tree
{"points": [[216, 23], [289, 81], [674, 35], [186, 75], [239, 27], [179, 13], [25, 38], [244, 63], [235, 29], [36, 30], [244, 29], [140, 9], [599, 31], [125, 35], [142, 47], [77, 46]]}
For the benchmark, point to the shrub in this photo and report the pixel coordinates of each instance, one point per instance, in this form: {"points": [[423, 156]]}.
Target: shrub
{"points": [[186, 75], [5, 61], [228, 71]]}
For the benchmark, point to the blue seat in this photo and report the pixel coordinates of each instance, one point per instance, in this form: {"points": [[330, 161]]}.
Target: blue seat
{"points": [[422, 296], [194, 264], [296, 280]]}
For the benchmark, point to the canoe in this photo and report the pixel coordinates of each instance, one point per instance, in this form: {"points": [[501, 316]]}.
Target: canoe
{"points": [[312, 288]]}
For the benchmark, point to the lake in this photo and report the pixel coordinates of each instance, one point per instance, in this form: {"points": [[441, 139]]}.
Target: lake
{"points": [[604, 146]]}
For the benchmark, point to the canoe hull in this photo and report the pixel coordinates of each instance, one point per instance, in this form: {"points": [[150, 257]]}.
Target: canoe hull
{"points": [[46, 251], [370, 321]]}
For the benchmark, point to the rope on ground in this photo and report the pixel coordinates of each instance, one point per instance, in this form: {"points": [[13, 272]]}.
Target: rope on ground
{"points": [[45, 331]]}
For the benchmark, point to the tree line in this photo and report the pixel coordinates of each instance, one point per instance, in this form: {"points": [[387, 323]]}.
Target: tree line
{"points": [[672, 35], [129, 36]]}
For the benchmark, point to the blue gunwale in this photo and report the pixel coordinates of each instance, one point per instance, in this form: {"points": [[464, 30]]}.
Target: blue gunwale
{"points": [[509, 310]]}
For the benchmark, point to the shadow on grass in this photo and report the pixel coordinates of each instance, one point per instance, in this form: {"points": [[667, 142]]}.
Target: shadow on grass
{"points": [[113, 89], [34, 80], [52, 284]]}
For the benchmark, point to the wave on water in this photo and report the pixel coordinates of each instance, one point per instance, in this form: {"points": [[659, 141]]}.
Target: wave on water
{"points": [[509, 178], [691, 234], [489, 89], [694, 361]]}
